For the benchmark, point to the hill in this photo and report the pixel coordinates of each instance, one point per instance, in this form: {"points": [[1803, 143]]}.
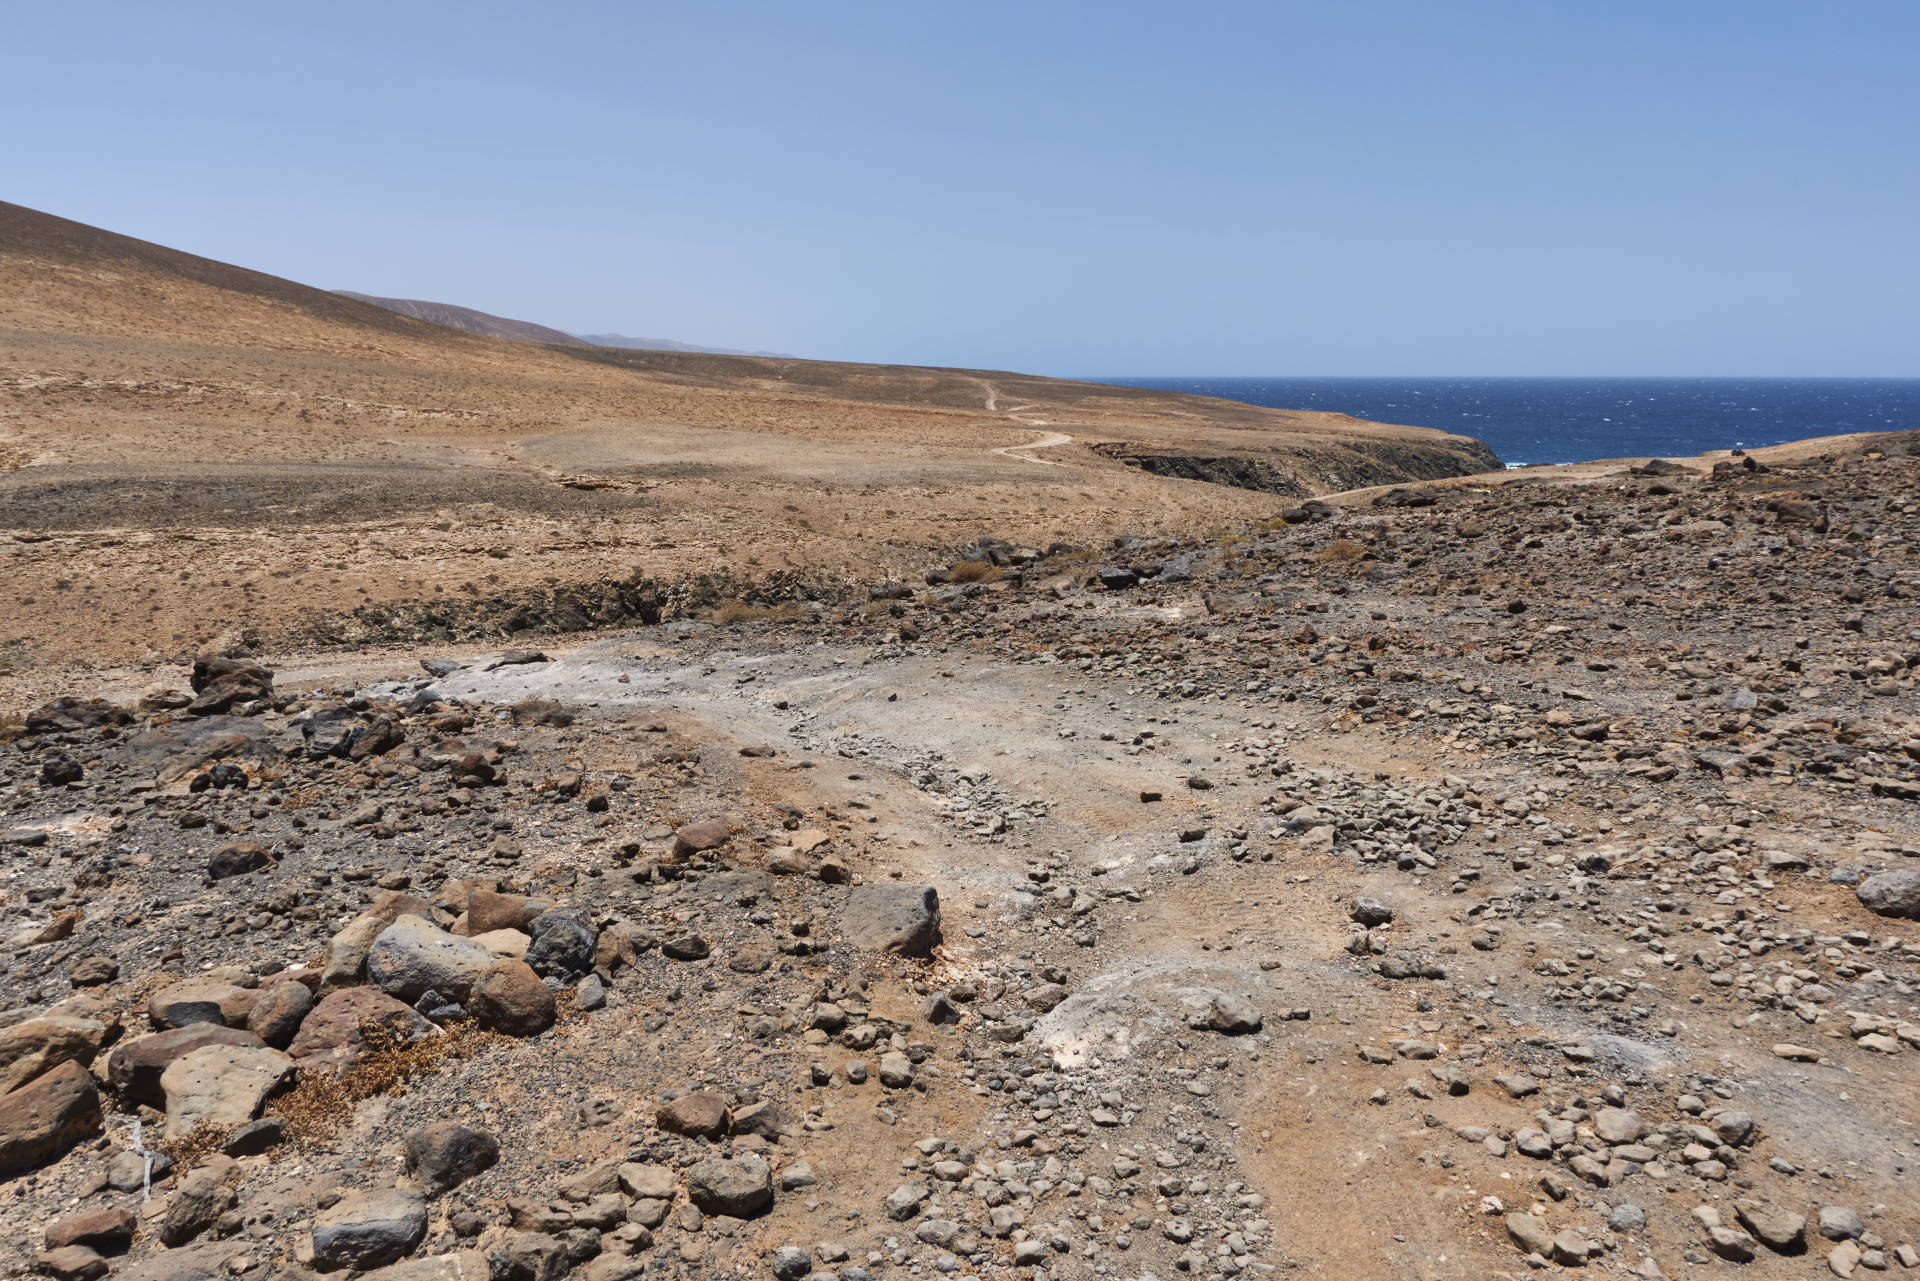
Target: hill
{"points": [[466, 318], [342, 456], [668, 344]]}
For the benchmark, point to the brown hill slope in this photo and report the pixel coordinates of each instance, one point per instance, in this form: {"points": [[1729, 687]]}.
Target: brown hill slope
{"points": [[328, 453], [467, 319]]}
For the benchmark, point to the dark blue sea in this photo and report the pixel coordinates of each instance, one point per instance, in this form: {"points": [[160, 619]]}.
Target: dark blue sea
{"points": [[1569, 420]]}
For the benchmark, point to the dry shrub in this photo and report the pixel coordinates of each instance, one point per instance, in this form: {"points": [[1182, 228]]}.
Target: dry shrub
{"points": [[320, 1102], [204, 1140], [974, 571], [1341, 550]]}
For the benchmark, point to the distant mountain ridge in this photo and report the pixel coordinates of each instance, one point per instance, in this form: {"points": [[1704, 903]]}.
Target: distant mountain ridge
{"points": [[668, 344], [471, 321], [467, 319]]}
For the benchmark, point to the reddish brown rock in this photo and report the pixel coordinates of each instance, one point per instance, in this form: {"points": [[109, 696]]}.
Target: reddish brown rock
{"points": [[277, 1015], [695, 837], [510, 998], [41, 1120], [332, 1034], [701, 1114], [489, 910], [107, 1231], [36, 1046], [71, 1263]]}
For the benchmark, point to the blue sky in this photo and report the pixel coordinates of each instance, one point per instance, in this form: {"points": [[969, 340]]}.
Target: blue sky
{"points": [[1683, 187]]}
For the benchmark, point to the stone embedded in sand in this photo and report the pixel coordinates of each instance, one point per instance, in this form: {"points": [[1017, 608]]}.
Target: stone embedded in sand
{"points": [[1895, 894], [237, 858], [1369, 912], [699, 1114], [445, 1155], [45, 1117], [1782, 1231], [695, 838], [892, 917], [1619, 1125], [221, 1085], [1234, 1015], [740, 1187], [369, 1229]]}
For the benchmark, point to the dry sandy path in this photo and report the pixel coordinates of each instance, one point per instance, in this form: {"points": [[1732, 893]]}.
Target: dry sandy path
{"points": [[1048, 440]]}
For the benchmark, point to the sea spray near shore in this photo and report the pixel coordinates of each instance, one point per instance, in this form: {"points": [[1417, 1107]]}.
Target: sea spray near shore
{"points": [[1566, 420]]}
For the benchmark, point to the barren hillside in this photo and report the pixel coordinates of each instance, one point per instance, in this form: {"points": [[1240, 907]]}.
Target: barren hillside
{"points": [[192, 452]]}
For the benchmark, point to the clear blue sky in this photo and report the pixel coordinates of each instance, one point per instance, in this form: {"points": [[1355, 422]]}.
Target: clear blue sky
{"points": [[1399, 187]]}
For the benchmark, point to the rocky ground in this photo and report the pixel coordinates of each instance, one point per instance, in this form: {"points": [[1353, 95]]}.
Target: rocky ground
{"points": [[1463, 883]]}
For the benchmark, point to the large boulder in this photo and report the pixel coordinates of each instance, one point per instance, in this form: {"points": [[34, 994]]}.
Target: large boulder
{"points": [[741, 1186], [892, 917], [695, 838], [510, 998], [223, 685], [42, 1119], [221, 1085], [369, 1229], [1892, 894], [347, 950], [36, 1046], [413, 956], [334, 1034], [134, 1067]]}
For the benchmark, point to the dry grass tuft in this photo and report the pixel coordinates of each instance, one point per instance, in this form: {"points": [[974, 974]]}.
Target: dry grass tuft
{"points": [[974, 571], [320, 1103], [1340, 551], [203, 1142]]}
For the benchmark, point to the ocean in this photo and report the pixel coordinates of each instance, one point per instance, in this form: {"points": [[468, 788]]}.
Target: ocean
{"points": [[1570, 420]]}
